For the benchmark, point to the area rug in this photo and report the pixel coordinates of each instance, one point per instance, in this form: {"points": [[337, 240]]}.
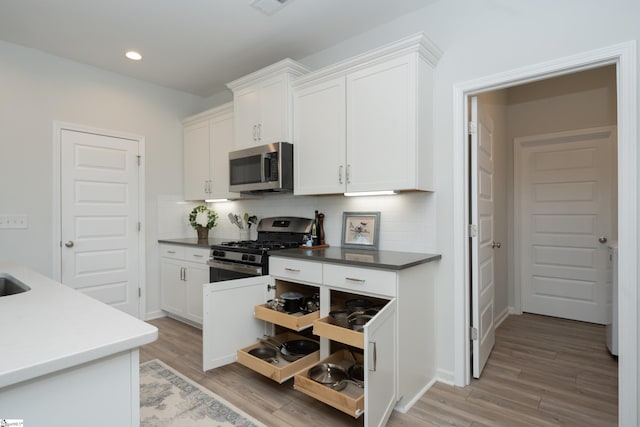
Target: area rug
{"points": [[168, 398]]}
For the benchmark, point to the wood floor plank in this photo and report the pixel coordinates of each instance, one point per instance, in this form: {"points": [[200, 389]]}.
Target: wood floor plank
{"points": [[543, 372]]}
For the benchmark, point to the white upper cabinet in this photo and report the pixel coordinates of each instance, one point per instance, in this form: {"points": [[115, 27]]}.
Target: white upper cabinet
{"points": [[262, 104], [366, 124], [320, 135], [208, 138], [196, 161]]}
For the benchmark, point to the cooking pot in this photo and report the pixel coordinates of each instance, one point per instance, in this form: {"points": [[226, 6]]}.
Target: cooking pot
{"points": [[292, 301], [339, 318], [357, 305], [357, 321]]}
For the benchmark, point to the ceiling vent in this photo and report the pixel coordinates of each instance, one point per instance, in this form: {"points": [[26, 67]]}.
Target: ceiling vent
{"points": [[269, 7]]}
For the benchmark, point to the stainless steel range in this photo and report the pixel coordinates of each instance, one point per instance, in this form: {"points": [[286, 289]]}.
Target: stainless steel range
{"points": [[247, 258]]}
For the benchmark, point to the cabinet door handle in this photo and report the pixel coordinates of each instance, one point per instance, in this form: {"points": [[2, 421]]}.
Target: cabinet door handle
{"points": [[348, 174], [259, 131], [373, 360], [353, 279], [294, 270], [185, 273], [181, 273], [254, 132], [340, 174]]}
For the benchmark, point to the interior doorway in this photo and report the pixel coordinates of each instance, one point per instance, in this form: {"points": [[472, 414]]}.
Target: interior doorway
{"points": [[534, 180], [623, 57]]}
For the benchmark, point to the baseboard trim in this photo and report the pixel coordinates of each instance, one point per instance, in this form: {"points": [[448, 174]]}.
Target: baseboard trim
{"points": [[404, 408], [502, 316], [446, 377], [157, 314]]}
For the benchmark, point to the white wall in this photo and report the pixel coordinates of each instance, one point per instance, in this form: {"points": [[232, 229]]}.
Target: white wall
{"points": [[37, 89], [481, 38]]}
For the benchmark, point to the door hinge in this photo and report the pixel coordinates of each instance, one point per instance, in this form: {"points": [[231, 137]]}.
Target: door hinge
{"points": [[473, 333], [472, 230], [139, 160], [473, 128]]}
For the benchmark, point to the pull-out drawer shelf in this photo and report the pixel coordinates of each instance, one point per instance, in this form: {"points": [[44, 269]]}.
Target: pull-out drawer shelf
{"points": [[282, 370], [295, 321], [349, 400]]}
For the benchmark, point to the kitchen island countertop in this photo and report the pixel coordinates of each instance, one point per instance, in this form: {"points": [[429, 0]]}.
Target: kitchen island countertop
{"points": [[387, 260], [53, 327]]}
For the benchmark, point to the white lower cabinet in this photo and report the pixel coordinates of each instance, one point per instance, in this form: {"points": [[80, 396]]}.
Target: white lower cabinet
{"points": [[397, 371], [183, 271]]}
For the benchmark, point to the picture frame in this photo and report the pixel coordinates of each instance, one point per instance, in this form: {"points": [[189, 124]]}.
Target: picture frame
{"points": [[360, 230]]}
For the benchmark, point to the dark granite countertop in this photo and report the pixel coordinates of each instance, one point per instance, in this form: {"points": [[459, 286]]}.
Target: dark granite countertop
{"points": [[193, 241], [387, 260]]}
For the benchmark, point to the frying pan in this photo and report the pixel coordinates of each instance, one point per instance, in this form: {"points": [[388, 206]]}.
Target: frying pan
{"points": [[299, 347], [331, 375], [265, 353], [292, 350]]}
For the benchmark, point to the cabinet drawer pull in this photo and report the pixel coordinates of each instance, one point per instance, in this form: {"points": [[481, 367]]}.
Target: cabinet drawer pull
{"points": [[373, 361], [198, 256], [353, 279], [171, 252], [293, 270]]}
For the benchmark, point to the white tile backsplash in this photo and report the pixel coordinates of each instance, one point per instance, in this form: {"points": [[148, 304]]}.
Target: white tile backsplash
{"points": [[407, 221]]}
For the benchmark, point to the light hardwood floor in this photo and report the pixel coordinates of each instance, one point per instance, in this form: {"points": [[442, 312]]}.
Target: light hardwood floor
{"points": [[543, 371]]}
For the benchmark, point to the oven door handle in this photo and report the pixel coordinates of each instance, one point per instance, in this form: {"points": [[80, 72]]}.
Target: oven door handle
{"points": [[253, 270]]}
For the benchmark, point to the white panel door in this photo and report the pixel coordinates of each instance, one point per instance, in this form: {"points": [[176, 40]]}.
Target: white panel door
{"points": [[565, 197], [482, 245], [99, 217]]}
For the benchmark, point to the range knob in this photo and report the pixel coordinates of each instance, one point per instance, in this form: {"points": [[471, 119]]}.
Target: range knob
{"points": [[252, 258], [245, 257], [218, 253]]}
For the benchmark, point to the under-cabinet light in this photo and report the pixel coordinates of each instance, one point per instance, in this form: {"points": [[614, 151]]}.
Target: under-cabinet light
{"points": [[216, 200], [371, 193]]}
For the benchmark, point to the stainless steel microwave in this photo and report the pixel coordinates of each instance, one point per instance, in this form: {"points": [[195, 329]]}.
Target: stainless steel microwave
{"points": [[261, 169]]}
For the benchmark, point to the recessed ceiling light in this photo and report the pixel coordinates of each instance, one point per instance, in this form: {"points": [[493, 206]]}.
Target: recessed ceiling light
{"points": [[133, 55]]}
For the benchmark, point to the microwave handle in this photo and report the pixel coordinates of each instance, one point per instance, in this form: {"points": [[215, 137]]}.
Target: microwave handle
{"points": [[264, 167]]}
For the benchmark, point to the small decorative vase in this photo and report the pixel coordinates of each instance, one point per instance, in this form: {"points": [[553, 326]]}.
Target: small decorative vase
{"points": [[203, 233]]}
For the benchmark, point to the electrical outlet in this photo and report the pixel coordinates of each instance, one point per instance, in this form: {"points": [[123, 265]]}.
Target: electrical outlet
{"points": [[16, 221]]}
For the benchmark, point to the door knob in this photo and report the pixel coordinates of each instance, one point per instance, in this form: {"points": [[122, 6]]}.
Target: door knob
{"points": [[495, 244], [602, 239], [69, 244]]}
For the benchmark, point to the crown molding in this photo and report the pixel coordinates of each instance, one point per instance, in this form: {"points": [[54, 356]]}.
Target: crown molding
{"points": [[286, 65]]}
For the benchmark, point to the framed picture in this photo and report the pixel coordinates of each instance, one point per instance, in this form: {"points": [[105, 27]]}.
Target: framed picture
{"points": [[360, 230]]}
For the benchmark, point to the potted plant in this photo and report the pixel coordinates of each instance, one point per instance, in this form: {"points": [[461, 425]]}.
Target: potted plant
{"points": [[202, 219]]}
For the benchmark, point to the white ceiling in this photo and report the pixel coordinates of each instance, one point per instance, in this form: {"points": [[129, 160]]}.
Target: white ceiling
{"points": [[195, 46]]}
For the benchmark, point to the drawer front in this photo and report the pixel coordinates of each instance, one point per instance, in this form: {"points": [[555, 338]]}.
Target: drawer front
{"points": [[170, 251], [360, 279], [199, 255], [294, 269]]}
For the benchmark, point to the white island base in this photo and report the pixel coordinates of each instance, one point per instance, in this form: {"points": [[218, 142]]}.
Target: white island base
{"points": [[103, 392]]}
